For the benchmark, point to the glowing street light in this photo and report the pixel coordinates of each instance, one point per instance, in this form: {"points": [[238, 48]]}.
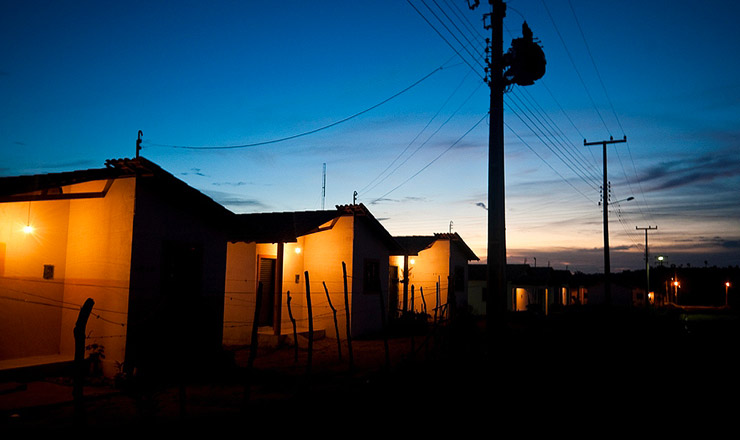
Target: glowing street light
{"points": [[28, 229], [727, 286], [676, 285]]}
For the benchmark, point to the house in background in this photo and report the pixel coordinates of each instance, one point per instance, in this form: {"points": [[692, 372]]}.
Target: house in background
{"points": [[528, 288], [435, 266], [146, 247], [278, 248]]}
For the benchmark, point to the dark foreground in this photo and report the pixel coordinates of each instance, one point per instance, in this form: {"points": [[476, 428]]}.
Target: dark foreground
{"points": [[581, 366]]}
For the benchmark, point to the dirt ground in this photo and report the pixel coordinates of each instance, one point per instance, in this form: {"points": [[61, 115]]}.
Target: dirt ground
{"points": [[577, 367], [281, 382]]}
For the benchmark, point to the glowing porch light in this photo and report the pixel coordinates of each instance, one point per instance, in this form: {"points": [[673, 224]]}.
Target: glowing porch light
{"points": [[297, 250], [28, 229], [412, 261]]}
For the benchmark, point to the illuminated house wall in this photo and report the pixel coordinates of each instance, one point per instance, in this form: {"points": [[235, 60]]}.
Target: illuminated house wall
{"points": [[87, 242], [441, 258], [333, 238], [147, 248]]}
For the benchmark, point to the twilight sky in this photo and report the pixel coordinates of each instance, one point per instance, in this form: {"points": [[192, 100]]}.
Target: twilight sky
{"points": [[78, 79]]}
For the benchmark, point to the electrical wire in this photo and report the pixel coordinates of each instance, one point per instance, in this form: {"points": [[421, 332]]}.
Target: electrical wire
{"points": [[433, 160], [306, 133], [430, 136], [445, 40], [418, 135]]}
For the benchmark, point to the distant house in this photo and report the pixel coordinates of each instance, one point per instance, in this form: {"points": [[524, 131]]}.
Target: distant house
{"points": [[146, 247], [435, 266], [278, 248], [528, 288]]}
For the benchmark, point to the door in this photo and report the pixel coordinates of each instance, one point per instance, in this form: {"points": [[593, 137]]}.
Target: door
{"points": [[267, 278]]}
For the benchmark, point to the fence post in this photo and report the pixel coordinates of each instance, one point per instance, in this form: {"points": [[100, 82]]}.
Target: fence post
{"points": [[253, 343], [347, 317], [295, 331], [336, 325], [310, 324], [79, 362], [383, 326]]}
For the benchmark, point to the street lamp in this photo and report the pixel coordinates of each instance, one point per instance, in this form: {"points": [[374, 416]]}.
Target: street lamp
{"points": [[676, 285], [727, 286]]}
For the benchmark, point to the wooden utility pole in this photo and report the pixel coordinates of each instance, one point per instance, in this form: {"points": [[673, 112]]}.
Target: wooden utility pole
{"points": [[607, 285], [647, 263]]}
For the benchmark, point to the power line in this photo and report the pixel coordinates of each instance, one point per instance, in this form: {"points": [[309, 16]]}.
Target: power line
{"points": [[547, 163], [445, 40], [433, 160], [559, 155], [418, 135], [565, 46], [430, 136], [578, 162], [611, 104], [306, 133]]}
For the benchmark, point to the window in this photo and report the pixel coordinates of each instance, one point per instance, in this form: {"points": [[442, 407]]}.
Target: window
{"points": [[48, 271], [371, 277]]}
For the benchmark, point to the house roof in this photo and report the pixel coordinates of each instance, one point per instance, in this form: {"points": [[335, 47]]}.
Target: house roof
{"points": [[413, 244], [524, 274], [275, 227], [49, 186], [286, 227]]}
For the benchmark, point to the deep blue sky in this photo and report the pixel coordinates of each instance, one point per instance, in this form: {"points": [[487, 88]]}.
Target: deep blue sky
{"points": [[78, 79]]}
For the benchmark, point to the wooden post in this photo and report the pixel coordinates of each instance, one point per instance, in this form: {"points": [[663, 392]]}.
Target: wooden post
{"points": [[295, 331], [347, 317], [310, 324], [436, 304], [413, 307], [79, 362], [253, 343], [336, 325], [423, 300], [383, 326], [451, 300]]}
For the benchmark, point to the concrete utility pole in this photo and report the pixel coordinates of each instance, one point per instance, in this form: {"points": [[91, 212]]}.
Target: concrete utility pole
{"points": [[607, 286], [496, 293], [524, 63], [647, 262]]}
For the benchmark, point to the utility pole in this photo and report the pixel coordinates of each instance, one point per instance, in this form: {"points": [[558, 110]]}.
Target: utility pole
{"points": [[522, 64], [647, 262], [607, 286], [496, 292]]}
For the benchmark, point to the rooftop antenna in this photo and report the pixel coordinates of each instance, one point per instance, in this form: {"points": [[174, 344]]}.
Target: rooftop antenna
{"points": [[354, 198], [450, 226], [138, 143], [323, 188]]}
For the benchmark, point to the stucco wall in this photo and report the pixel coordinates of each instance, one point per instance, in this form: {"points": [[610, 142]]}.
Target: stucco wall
{"points": [[182, 327], [31, 306], [429, 267], [88, 242], [98, 267], [239, 298], [324, 253], [366, 317]]}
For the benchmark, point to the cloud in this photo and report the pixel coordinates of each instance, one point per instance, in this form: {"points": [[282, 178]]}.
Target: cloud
{"points": [[230, 200], [680, 172], [195, 172]]}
